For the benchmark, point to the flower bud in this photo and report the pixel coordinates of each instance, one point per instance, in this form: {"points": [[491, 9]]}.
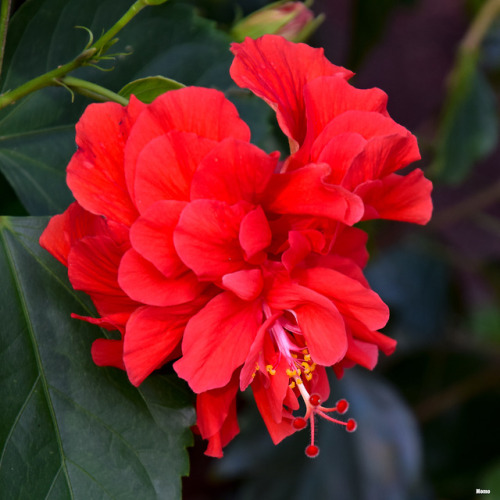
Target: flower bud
{"points": [[292, 20]]}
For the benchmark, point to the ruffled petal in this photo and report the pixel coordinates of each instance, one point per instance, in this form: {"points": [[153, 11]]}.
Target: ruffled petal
{"points": [[95, 173], [151, 336], [108, 352], [277, 71], [254, 235], [229, 326], [166, 165], [142, 281], [93, 267], [351, 297], [69, 227], [216, 416], [328, 97], [234, 171], [206, 238], [405, 198], [204, 112], [318, 319], [304, 192], [152, 235], [246, 284]]}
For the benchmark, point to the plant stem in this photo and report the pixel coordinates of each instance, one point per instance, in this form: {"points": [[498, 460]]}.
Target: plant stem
{"points": [[92, 90], [480, 26], [4, 23], [94, 52], [136, 7]]}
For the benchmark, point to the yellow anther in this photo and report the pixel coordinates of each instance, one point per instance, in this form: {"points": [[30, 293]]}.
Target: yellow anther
{"points": [[298, 380], [294, 356], [299, 372], [313, 367], [271, 370], [291, 385], [307, 357], [309, 376], [290, 373], [253, 374], [257, 367]]}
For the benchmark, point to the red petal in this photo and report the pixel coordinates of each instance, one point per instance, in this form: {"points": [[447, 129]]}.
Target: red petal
{"points": [[166, 165], [320, 322], [278, 429], [152, 235], [277, 70], [304, 192], [350, 297], [362, 353], [246, 284], [151, 336], [214, 409], [217, 340], [339, 153], [396, 197], [206, 238], [327, 97], [234, 171], [95, 174], [142, 281], [380, 157], [254, 234], [93, 267], [204, 112], [107, 352], [111, 322]]}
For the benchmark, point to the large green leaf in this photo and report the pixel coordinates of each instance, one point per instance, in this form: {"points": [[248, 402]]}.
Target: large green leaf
{"points": [[37, 134], [69, 429]]}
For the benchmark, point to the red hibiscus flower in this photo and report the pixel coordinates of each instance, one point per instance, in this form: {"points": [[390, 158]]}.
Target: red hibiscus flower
{"points": [[199, 247]]}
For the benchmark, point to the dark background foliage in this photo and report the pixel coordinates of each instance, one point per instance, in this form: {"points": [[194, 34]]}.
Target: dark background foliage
{"points": [[429, 415]]}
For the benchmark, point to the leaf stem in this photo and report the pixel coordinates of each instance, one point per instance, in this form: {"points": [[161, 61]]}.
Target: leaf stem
{"points": [[480, 26], [4, 23], [92, 90], [91, 54]]}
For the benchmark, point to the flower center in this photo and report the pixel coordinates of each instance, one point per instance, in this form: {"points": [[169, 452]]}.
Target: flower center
{"points": [[287, 336]]}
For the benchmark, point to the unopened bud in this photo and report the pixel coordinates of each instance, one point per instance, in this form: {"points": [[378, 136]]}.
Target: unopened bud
{"points": [[292, 20]]}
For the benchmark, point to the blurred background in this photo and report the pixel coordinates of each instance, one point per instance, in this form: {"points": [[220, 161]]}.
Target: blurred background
{"points": [[429, 416]]}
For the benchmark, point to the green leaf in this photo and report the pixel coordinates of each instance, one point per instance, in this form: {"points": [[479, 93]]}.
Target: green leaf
{"points": [[37, 133], [69, 429], [148, 89], [469, 127]]}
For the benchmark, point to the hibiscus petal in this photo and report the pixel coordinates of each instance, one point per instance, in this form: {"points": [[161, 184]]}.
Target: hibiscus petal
{"points": [[278, 429], [277, 70], [405, 198], [67, 228], [151, 336], [166, 165], [152, 235], [319, 320], [304, 191], [327, 97], [380, 157], [93, 267], [142, 281], [217, 340], [351, 297], [234, 171], [362, 353], [108, 352], [246, 284], [204, 112], [206, 238], [216, 409], [95, 173], [254, 234]]}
